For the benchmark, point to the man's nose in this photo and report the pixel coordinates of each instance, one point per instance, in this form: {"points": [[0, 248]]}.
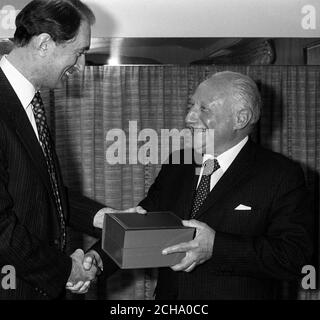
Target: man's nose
{"points": [[192, 116], [80, 64]]}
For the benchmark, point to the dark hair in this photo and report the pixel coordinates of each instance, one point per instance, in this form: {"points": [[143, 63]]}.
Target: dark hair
{"points": [[61, 19]]}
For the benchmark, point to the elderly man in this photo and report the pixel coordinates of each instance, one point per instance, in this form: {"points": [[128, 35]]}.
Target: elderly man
{"points": [[50, 40], [248, 204]]}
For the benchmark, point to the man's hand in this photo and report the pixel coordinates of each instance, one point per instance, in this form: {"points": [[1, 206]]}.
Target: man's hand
{"points": [[197, 250], [92, 259], [137, 209], [80, 277], [98, 218]]}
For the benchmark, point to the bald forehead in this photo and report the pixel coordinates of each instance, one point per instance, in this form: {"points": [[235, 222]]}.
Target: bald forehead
{"points": [[218, 86]]}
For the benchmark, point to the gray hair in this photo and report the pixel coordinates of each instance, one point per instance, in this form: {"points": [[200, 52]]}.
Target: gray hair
{"points": [[244, 91]]}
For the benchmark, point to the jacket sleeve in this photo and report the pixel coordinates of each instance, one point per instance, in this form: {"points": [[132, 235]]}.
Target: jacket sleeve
{"points": [[286, 245], [109, 266], [81, 213]]}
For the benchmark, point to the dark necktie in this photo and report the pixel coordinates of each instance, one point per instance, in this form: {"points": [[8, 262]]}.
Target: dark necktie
{"points": [[209, 166], [47, 148]]}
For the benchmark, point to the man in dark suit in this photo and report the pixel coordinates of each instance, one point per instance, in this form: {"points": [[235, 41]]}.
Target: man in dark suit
{"points": [[35, 207], [249, 205]]}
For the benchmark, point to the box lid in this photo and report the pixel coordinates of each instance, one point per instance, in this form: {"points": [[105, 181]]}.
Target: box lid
{"points": [[151, 220]]}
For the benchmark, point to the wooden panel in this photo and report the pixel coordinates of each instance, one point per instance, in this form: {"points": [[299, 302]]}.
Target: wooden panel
{"points": [[313, 54]]}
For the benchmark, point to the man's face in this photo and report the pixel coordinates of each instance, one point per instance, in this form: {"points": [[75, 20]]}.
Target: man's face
{"points": [[67, 57], [211, 109]]}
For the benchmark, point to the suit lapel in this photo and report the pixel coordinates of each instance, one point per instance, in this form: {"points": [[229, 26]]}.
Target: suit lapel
{"points": [[12, 110], [238, 171]]}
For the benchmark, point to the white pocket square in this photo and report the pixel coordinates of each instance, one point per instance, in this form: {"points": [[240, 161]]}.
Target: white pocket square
{"points": [[242, 207]]}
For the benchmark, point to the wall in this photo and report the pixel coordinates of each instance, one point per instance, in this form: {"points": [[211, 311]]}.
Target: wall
{"points": [[182, 18], [291, 51]]}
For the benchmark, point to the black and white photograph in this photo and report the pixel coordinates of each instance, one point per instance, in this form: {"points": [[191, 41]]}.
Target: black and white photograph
{"points": [[161, 151]]}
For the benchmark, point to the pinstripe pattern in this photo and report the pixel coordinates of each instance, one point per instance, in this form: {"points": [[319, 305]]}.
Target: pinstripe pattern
{"points": [[253, 249], [29, 225]]}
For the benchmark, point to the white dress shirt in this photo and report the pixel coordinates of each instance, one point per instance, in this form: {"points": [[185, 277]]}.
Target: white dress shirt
{"points": [[24, 90], [225, 159]]}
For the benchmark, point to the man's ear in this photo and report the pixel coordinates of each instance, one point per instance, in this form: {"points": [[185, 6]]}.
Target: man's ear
{"points": [[242, 119], [42, 44]]}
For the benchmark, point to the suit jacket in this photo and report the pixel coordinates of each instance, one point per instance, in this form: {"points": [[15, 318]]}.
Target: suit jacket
{"points": [[253, 249], [29, 224]]}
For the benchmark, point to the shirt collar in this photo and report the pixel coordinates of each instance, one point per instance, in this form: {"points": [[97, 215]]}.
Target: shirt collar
{"points": [[226, 158], [22, 86]]}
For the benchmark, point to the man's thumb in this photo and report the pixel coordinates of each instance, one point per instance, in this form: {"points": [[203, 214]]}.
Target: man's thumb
{"points": [[87, 262], [78, 254], [140, 210]]}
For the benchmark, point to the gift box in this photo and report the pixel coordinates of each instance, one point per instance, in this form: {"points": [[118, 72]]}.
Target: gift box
{"points": [[135, 240]]}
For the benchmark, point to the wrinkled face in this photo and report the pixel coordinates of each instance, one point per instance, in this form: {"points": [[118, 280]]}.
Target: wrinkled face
{"points": [[211, 109], [68, 57]]}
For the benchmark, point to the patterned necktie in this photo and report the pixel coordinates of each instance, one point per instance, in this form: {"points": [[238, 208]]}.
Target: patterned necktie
{"points": [[210, 166], [46, 144]]}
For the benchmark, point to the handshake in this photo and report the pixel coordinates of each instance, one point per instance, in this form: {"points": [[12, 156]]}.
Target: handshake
{"points": [[85, 269], [87, 266]]}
